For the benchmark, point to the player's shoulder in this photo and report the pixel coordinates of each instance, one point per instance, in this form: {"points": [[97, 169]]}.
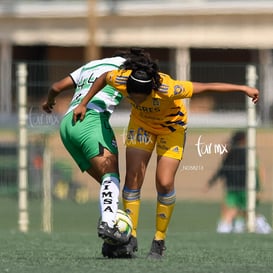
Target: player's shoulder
{"points": [[120, 73], [164, 76], [113, 61], [166, 83]]}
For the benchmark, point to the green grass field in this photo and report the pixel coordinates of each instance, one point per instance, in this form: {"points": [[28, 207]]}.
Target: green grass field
{"points": [[192, 244]]}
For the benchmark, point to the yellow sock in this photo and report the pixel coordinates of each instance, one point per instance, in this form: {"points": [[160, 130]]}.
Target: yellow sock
{"points": [[132, 208], [163, 217]]}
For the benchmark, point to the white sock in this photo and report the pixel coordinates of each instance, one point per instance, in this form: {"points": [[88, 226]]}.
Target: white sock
{"points": [[109, 198]]}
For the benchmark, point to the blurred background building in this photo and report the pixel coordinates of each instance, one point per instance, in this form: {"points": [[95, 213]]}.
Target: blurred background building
{"points": [[201, 40]]}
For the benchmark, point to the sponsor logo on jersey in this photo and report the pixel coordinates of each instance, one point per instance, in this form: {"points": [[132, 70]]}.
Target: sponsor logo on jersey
{"points": [[146, 109], [156, 102], [107, 196], [140, 136], [178, 89], [162, 140], [162, 144], [114, 143], [162, 215], [175, 149]]}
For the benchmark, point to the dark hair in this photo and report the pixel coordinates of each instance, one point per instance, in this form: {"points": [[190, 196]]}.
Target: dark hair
{"points": [[139, 82], [122, 53], [144, 76]]}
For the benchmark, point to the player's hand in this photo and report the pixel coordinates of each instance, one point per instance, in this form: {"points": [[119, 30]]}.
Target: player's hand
{"points": [[253, 93], [48, 106], [79, 113]]}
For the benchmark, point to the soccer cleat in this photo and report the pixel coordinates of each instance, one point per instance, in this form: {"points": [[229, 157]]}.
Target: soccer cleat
{"points": [[111, 235], [128, 250], [224, 227], [262, 226], [157, 249], [108, 250], [239, 226], [120, 251]]}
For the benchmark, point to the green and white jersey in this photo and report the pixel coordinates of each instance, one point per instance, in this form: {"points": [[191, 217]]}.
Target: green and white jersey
{"points": [[84, 77]]}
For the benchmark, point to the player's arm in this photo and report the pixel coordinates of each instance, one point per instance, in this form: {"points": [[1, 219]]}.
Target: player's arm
{"points": [[56, 88], [80, 110], [226, 87]]}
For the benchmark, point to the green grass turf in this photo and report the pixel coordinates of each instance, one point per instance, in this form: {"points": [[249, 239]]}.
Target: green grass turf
{"points": [[192, 244], [186, 252]]}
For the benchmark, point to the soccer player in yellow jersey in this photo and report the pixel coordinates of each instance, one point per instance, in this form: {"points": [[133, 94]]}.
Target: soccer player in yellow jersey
{"points": [[158, 119]]}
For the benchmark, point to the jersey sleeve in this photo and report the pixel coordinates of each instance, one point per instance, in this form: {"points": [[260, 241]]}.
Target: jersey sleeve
{"points": [[175, 89], [95, 68], [183, 89], [118, 80], [75, 75]]}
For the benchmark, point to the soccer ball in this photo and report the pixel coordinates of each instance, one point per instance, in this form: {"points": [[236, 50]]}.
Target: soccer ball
{"points": [[124, 225], [124, 222]]}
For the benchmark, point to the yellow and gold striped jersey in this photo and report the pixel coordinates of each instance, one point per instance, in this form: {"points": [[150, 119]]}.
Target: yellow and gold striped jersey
{"points": [[164, 110]]}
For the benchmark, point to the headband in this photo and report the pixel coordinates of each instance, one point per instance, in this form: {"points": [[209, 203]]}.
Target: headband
{"points": [[141, 81]]}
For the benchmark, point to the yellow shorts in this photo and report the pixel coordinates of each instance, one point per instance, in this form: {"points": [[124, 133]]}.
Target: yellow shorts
{"points": [[169, 145]]}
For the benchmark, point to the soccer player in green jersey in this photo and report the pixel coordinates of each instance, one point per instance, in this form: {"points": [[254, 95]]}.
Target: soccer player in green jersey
{"points": [[233, 172], [91, 142]]}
